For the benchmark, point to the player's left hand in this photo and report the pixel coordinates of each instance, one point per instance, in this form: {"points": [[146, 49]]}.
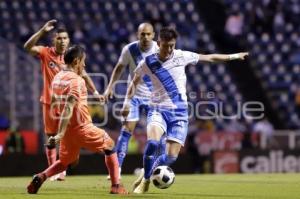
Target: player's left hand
{"points": [[243, 55]]}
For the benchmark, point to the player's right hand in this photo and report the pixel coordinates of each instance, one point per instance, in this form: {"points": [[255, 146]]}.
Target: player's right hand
{"points": [[243, 55], [49, 25]]}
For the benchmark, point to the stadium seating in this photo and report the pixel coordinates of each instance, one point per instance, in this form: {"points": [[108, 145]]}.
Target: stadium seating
{"points": [[19, 84], [274, 50], [104, 28]]}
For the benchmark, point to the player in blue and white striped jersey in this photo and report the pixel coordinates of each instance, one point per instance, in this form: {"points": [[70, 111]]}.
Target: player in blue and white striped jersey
{"points": [[168, 112], [132, 54]]}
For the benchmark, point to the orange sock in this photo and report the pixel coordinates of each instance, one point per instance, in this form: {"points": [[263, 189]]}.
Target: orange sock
{"points": [[112, 165], [51, 155], [55, 168]]}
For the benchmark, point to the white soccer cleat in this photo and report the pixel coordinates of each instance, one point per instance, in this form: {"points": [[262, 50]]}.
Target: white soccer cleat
{"points": [[108, 176], [58, 177], [143, 187], [139, 179], [53, 178], [61, 176]]}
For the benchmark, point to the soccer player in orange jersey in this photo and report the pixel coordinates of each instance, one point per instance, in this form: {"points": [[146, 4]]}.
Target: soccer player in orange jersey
{"points": [[75, 128], [51, 63]]}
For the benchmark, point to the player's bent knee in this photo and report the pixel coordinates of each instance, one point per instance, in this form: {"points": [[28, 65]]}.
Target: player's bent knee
{"points": [[110, 149], [109, 144]]}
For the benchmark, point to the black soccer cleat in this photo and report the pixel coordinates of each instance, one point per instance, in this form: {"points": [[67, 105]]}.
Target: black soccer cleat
{"points": [[36, 183]]}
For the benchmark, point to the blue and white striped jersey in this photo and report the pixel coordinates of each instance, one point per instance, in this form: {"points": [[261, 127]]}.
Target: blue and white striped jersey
{"points": [[168, 78], [132, 55]]}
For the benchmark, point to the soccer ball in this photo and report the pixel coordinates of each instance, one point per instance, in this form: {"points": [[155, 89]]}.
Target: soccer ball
{"points": [[163, 177]]}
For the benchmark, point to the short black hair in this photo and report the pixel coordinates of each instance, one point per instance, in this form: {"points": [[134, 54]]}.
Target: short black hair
{"points": [[75, 51], [167, 33], [61, 29]]}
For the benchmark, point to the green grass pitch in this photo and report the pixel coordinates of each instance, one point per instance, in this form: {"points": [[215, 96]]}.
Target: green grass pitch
{"points": [[256, 186]]}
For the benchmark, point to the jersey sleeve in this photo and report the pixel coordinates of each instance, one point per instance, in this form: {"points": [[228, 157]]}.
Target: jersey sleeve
{"points": [[43, 52], [124, 57], [190, 57]]}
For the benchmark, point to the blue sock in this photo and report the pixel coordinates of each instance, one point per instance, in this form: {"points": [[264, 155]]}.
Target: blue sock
{"points": [[164, 159], [162, 145], [149, 156], [122, 146]]}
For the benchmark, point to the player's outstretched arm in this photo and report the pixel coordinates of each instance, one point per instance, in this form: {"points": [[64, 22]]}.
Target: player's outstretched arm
{"points": [[116, 74], [129, 94], [215, 58], [91, 86], [64, 120], [30, 44]]}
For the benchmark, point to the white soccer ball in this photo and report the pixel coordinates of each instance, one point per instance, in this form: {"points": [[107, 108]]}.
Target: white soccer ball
{"points": [[162, 177]]}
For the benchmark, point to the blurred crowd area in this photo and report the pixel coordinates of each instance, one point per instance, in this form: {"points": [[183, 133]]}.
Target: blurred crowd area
{"points": [[269, 29]]}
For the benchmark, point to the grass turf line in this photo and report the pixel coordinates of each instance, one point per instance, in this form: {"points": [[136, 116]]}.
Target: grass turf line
{"points": [[256, 186]]}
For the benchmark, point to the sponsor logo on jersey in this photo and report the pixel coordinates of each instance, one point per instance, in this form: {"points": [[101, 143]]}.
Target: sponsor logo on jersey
{"points": [[52, 64]]}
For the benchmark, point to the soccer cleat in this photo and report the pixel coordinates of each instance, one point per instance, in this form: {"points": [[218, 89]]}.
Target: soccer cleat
{"points": [[138, 180], [61, 176], [143, 187], [54, 177], [36, 183], [108, 176], [118, 189]]}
